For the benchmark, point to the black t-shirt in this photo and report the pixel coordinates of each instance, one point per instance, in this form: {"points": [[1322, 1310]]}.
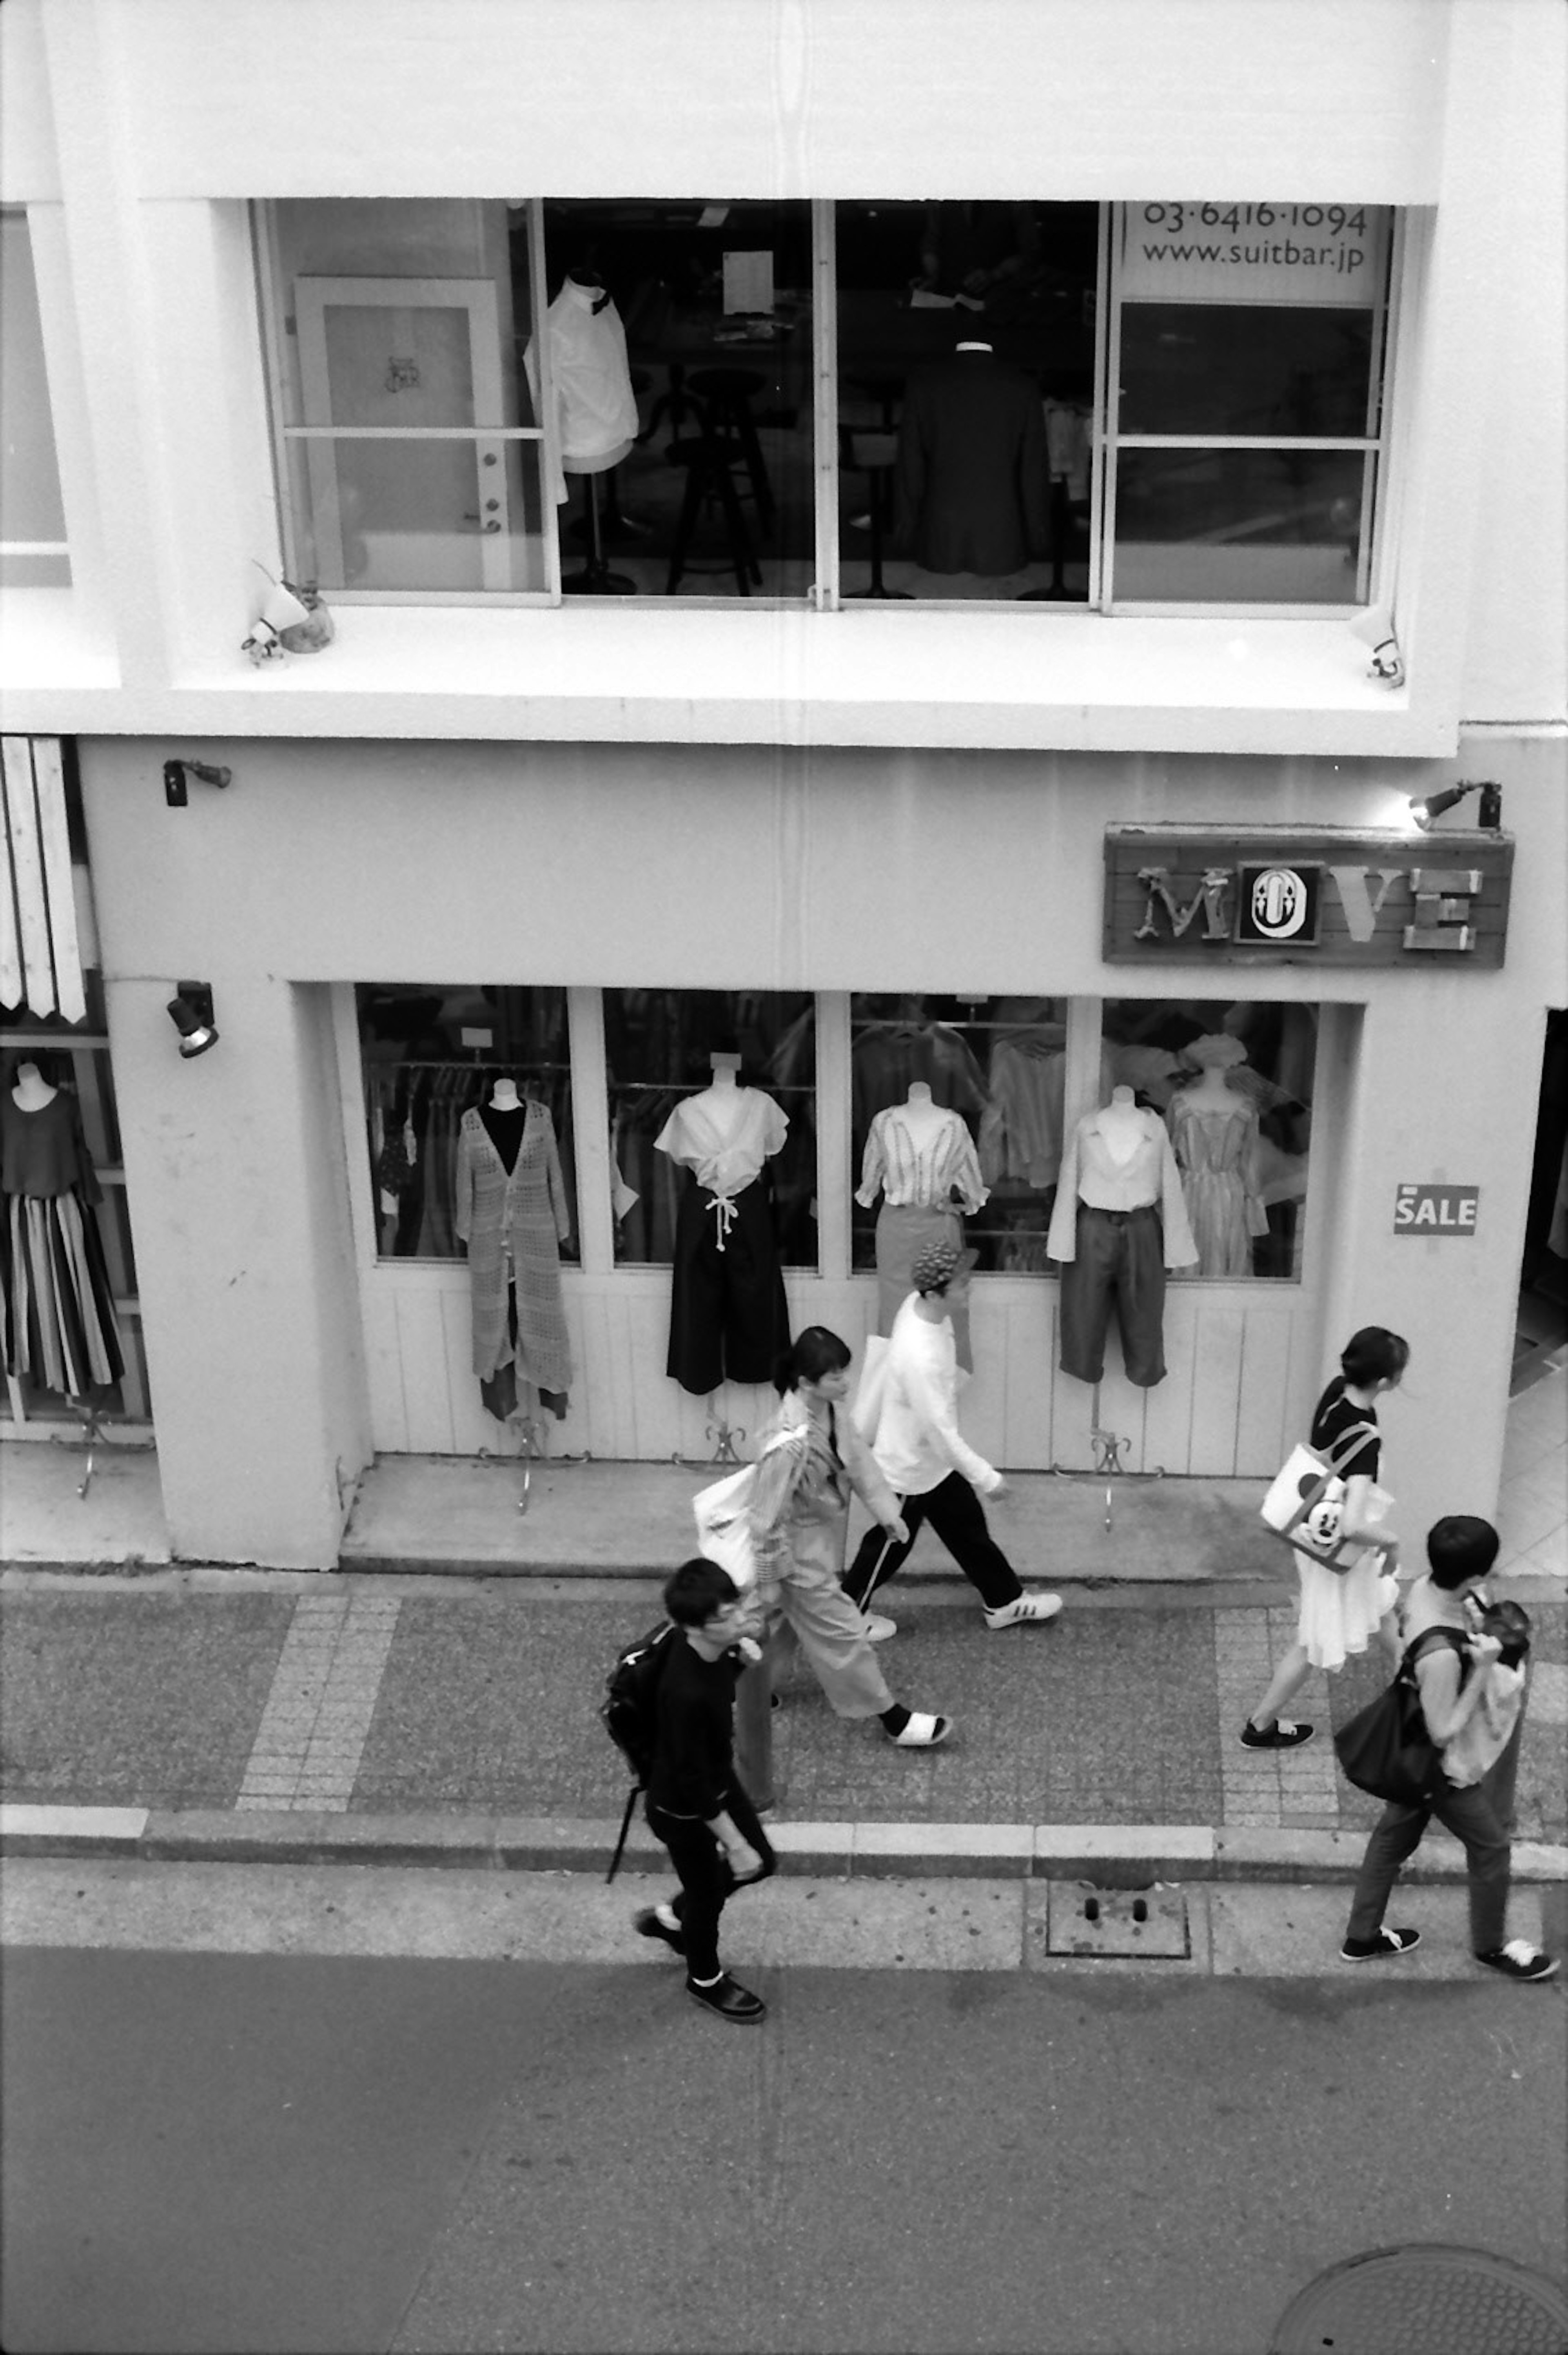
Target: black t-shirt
{"points": [[1335, 1415], [694, 1755]]}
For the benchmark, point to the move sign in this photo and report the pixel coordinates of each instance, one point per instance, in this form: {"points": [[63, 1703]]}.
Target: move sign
{"points": [[1436, 1210], [1281, 895]]}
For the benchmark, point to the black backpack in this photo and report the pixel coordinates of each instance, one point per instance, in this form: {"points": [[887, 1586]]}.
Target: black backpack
{"points": [[629, 1713]]}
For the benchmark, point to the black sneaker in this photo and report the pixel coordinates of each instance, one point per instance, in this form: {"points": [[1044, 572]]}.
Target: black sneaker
{"points": [[729, 2000], [648, 1925], [1281, 1735], [1383, 1942], [1519, 1960]]}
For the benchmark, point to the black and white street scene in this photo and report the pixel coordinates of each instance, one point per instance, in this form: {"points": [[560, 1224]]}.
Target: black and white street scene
{"points": [[783, 1178]]}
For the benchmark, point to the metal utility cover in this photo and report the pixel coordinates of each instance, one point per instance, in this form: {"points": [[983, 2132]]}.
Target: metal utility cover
{"points": [[1123, 1921]]}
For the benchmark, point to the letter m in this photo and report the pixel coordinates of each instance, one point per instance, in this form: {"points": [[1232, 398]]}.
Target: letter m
{"points": [[1211, 896]]}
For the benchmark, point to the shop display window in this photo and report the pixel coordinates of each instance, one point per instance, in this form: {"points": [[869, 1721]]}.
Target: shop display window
{"points": [[964, 473], [412, 454], [430, 1054], [1233, 1083], [1146, 405], [1244, 433], [998, 1063], [659, 1046], [33, 550], [73, 1058]]}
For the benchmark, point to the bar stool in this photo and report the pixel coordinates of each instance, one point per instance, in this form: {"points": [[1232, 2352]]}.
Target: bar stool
{"points": [[710, 485], [726, 395], [873, 454]]}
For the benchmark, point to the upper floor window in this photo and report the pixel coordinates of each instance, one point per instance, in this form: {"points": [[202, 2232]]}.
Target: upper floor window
{"points": [[33, 550], [1152, 405]]}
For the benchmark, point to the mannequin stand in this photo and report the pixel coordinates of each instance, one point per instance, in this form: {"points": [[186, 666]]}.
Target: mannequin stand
{"points": [[1061, 523], [725, 1438], [1108, 1465], [596, 579], [531, 1431], [93, 1437]]}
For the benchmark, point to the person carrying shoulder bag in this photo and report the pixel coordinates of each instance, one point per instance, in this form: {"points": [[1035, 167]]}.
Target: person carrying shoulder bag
{"points": [[1342, 1609], [1447, 1657]]}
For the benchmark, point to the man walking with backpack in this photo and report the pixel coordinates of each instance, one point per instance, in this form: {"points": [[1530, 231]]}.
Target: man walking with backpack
{"points": [[695, 1802]]}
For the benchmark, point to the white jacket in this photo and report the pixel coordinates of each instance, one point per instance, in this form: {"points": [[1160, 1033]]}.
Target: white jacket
{"points": [[908, 1412]]}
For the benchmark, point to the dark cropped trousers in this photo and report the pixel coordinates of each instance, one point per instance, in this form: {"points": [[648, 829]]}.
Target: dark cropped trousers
{"points": [[728, 1314], [1121, 1258]]}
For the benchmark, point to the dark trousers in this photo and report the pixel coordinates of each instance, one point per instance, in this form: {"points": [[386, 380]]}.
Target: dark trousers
{"points": [[706, 1880], [1121, 1258], [957, 1515], [728, 1314], [1469, 1815]]}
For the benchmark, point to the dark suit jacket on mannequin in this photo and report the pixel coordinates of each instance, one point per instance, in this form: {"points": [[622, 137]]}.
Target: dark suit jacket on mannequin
{"points": [[972, 469]]}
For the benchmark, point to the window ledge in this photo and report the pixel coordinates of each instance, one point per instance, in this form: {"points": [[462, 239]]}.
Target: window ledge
{"points": [[755, 674], [48, 644]]}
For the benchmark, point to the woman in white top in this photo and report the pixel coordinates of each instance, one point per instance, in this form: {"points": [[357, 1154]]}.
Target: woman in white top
{"points": [[920, 1157]]}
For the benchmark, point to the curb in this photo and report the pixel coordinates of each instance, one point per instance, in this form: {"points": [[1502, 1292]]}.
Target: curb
{"points": [[1111, 1855]]}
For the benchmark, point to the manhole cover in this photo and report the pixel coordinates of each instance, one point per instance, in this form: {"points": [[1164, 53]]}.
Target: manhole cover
{"points": [[1425, 2301], [1096, 1922]]}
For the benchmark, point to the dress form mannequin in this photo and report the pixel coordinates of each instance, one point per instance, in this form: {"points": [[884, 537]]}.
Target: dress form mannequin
{"points": [[596, 410], [973, 465], [1119, 1223], [919, 1154], [1215, 1133], [32, 1090], [728, 1317], [512, 1212]]}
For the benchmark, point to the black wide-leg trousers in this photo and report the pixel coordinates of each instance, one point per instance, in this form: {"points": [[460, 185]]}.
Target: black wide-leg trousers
{"points": [[957, 1515], [728, 1314]]}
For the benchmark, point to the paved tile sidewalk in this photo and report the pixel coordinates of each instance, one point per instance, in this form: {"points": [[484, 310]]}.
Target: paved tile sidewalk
{"points": [[375, 1703]]}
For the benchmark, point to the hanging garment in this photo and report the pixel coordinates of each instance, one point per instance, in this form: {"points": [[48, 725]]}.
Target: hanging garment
{"points": [[1091, 1171], [1118, 1259], [514, 1224], [1216, 1149], [972, 466], [57, 1309], [885, 1057], [1021, 1133], [728, 1314], [591, 376]]}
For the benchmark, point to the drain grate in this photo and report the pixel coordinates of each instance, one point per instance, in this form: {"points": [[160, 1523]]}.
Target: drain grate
{"points": [[1088, 1921], [1432, 2300]]}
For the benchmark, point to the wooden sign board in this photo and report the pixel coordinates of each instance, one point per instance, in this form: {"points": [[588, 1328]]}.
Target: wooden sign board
{"points": [[1285, 895]]}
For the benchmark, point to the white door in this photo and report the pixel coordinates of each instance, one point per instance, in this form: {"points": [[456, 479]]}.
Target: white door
{"points": [[398, 507]]}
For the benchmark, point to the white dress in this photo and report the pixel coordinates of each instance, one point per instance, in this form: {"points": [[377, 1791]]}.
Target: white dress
{"points": [[1340, 1613]]}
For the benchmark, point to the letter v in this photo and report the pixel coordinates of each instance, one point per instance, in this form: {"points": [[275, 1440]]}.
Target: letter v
{"points": [[1361, 908]]}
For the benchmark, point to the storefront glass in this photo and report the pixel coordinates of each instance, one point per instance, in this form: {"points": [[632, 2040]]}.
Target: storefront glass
{"points": [[429, 1056], [1233, 1084], [411, 449], [964, 473], [659, 1046]]}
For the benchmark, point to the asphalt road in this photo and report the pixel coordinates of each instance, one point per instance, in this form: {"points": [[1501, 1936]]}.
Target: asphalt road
{"points": [[276, 2151]]}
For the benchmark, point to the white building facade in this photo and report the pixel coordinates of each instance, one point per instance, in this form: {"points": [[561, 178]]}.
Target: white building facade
{"points": [[585, 790]]}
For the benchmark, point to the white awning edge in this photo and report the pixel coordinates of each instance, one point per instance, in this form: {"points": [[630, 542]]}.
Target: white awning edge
{"points": [[40, 955]]}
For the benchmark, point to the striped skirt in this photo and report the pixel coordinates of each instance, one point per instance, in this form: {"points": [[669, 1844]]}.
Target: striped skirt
{"points": [[56, 1312]]}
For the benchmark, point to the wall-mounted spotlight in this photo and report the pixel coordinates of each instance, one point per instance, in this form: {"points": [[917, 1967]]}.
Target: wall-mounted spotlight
{"points": [[176, 773], [190, 1011], [1489, 813]]}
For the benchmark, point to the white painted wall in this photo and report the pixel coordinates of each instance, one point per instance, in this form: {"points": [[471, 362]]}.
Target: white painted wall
{"points": [[156, 120], [621, 867]]}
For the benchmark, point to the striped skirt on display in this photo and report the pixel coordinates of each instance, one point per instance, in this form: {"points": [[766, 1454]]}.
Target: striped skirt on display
{"points": [[56, 1312]]}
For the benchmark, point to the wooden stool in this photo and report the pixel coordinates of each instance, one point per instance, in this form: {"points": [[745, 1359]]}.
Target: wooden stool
{"points": [[873, 454], [709, 483], [726, 396]]}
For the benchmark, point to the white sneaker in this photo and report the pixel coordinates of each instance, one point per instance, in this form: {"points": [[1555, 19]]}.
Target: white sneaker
{"points": [[923, 1731], [1038, 1605], [878, 1628]]}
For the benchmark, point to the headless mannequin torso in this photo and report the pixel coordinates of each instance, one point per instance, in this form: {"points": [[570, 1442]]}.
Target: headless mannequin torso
{"points": [[32, 1090], [1122, 1125], [505, 1117]]}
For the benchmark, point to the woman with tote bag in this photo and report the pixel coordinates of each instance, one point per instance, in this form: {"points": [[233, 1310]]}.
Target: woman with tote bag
{"points": [[1342, 1607]]}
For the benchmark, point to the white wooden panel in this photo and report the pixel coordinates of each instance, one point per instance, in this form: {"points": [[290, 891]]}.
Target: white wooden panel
{"points": [[427, 1376], [1261, 1442], [54, 845], [472, 1427], [1216, 1389], [1028, 1342], [384, 1369], [36, 973], [1168, 1417]]}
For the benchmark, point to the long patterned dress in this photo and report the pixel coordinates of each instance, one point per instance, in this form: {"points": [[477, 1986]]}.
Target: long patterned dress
{"points": [[1216, 1150], [514, 1224]]}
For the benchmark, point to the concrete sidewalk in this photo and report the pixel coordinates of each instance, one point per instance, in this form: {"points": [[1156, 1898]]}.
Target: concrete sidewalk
{"points": [[362, 1716]]}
